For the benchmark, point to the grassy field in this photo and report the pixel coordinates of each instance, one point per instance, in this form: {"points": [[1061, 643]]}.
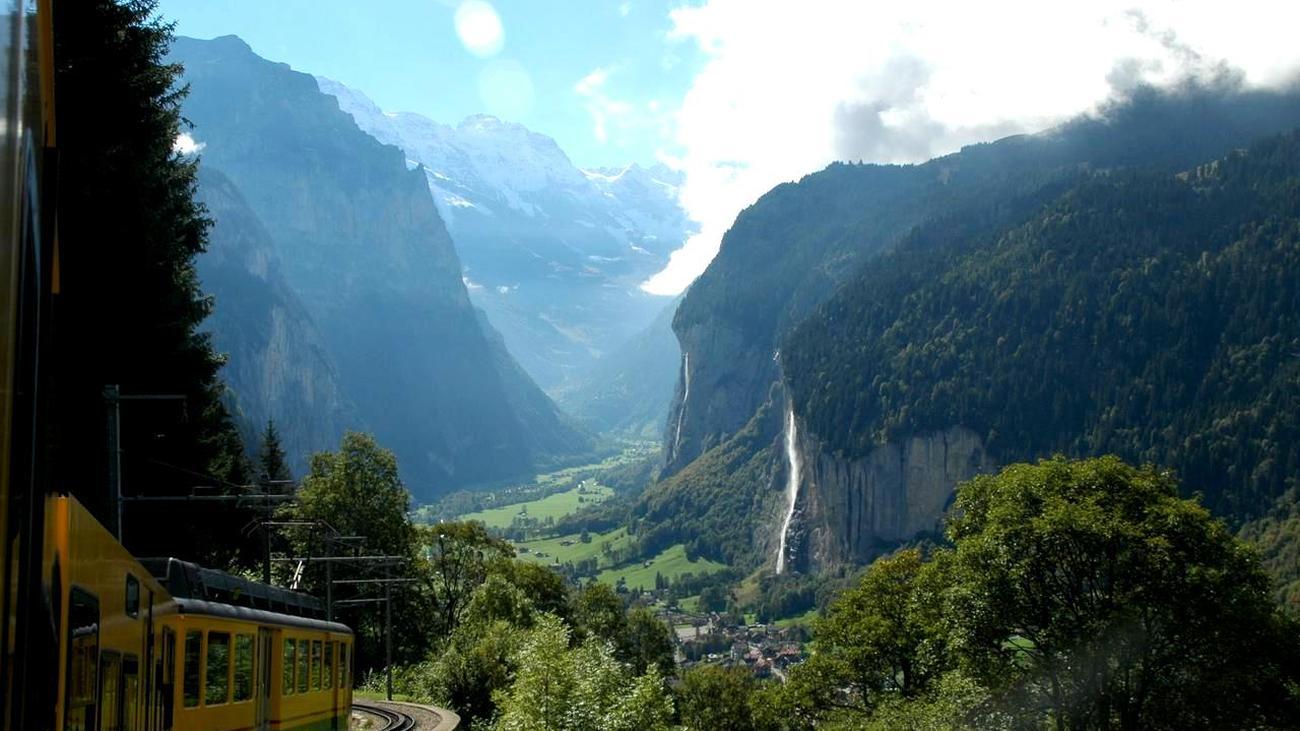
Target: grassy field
{"points": [[577, 551], [552, 506], [805, 619], [671, 563]]}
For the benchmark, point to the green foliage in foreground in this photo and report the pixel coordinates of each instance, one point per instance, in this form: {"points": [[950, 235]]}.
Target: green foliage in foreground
{"points": [[530, 653], [1277, 535], [1077, 595]]}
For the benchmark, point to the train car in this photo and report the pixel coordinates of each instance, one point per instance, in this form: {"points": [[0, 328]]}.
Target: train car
{"points": [[163, 645], [27, 280]]}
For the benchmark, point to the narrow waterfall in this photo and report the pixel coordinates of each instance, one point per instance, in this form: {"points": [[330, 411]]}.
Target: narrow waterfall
{"points": [[791, 484], [686, 394]]}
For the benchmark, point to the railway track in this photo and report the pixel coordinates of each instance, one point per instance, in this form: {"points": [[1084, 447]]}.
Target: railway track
{"points": [[394, 720]]}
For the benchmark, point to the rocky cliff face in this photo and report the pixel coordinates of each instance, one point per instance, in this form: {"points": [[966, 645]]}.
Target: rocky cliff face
{"points": [[553, 254], [724, 378], [278, 366], [851, 511], [364, 249]]}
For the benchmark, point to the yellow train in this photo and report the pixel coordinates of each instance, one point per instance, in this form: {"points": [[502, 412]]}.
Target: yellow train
{"points": [[144, 646]]}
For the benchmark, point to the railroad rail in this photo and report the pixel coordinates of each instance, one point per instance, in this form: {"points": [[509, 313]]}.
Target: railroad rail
{"points": [[394, 720]]}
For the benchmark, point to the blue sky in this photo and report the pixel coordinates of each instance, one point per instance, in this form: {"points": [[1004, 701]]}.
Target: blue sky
{"points": [[742, 95], [408, 56]]}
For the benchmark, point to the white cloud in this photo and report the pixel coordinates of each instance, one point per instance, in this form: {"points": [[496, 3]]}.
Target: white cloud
{"points": [[479, 28], [599, 105], [185, 145], [791, 85], [624, 9]]}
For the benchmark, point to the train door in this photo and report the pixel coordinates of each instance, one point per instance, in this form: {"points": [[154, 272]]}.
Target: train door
{"points": [[330, 682], [81, 694], [262, 714], [166, 674], [110, 691]]}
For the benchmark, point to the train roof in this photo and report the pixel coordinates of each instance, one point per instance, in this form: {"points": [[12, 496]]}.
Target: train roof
{"points": [[192, 584], [257, 616]]}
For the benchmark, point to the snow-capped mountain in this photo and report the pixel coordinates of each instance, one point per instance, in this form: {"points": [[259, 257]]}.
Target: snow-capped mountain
{"points": [[553, 254]]}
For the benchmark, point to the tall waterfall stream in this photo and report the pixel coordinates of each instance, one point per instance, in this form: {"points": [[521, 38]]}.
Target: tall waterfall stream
{"points": [[792, 482]]}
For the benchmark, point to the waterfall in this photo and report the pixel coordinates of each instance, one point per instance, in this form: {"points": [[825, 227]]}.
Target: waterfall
{"points": [[686, 394], [792, 482]]}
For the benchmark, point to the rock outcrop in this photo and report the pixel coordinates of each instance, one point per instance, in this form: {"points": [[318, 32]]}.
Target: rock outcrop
{"points": [[278, 366], [854, 510]]}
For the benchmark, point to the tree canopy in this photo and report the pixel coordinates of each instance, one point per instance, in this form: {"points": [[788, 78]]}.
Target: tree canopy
{"points": [[1076, 595]]}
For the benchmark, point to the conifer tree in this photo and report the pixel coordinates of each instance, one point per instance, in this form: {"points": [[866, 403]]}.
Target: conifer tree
{"points": [[129, 304], [274, 468]]}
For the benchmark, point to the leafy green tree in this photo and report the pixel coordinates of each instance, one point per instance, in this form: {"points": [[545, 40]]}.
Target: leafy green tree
{"points": [[712, 698], [357, 491], [1077, 595], [456, 558], [647, 642], [583, 688], [598, 612], [544, 587], [1091, 591], [713, 599]]}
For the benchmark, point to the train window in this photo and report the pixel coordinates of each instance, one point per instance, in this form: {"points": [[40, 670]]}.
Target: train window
{"points": [[302, 666], [243, 667], [288, 665], [193, 653], [130, 692], [315, 664], [132, 596], [110, 691], [168, 677], [82, 662], [328, 675], [218, 687]]}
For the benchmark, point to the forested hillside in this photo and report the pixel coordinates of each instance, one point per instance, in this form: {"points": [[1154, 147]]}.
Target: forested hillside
{"points": [[1120, 284], [792, 249], [1149, 315]]}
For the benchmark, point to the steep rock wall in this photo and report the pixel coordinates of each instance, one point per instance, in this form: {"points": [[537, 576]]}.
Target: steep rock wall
{"points": [[854, 510]]}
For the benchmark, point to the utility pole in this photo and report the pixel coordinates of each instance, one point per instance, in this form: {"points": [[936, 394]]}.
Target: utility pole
{"points": [[113, 399], [112, 430], [388, 632]]}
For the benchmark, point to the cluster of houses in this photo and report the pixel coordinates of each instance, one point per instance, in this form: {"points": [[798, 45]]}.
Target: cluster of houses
{"points": [[766, 650]]}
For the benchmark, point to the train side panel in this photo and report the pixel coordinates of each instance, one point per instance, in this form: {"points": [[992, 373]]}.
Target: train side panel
{"points": [[108, 605], [253, 675]]}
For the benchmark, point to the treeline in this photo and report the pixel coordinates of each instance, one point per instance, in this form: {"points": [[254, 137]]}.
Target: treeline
{"points": [[1144, 314]]}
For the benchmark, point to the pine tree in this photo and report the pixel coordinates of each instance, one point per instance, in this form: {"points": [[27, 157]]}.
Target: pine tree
{"points": [[274, 469], [129, 306]]}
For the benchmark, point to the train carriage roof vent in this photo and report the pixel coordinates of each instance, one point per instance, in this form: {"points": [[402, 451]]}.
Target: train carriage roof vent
{"points": [[185, 580]]}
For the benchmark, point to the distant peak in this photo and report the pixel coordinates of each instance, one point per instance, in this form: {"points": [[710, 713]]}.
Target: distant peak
{"points": [[483, 121], [233, 41]]}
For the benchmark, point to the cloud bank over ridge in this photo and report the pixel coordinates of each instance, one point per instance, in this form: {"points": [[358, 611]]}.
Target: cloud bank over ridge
{"points": [[792, 85]]}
